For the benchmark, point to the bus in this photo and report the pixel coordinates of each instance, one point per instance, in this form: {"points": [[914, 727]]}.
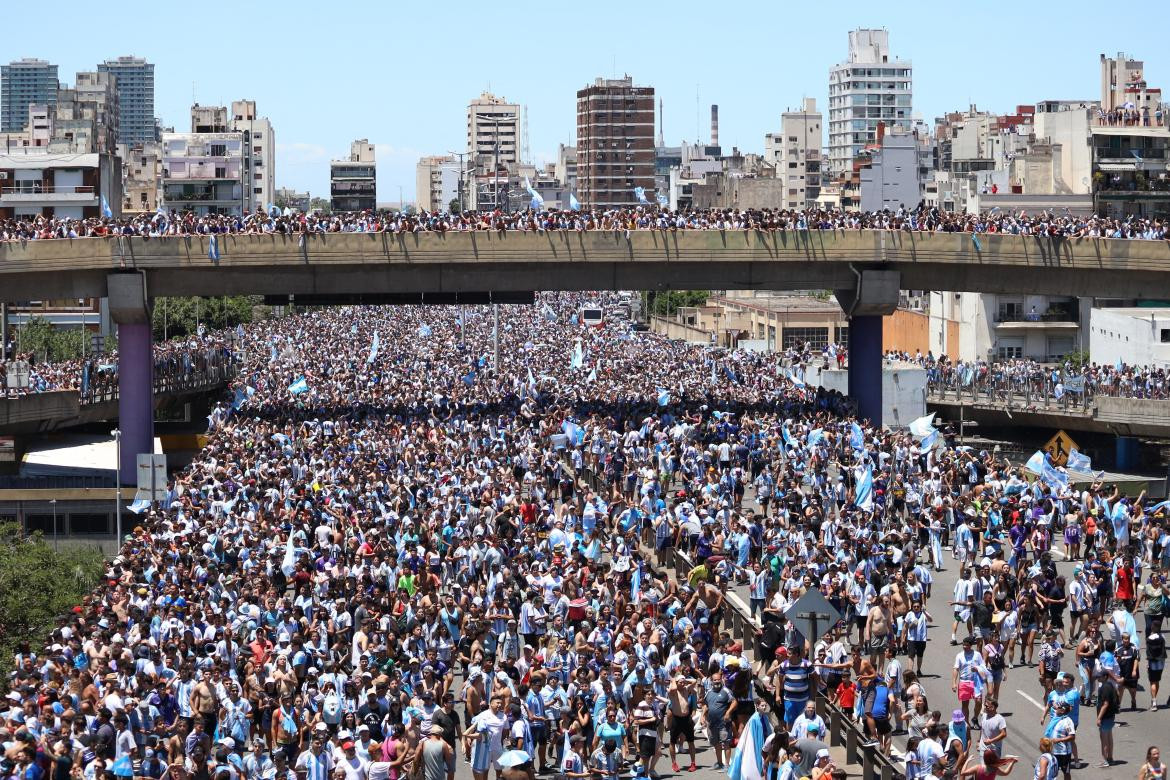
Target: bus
{"points": [[591, 315]]}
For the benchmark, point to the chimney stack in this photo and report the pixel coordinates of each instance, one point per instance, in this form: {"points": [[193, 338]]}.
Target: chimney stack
{"points": [[714, 125]]}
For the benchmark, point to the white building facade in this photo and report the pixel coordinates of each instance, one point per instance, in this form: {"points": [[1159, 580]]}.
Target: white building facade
{"points": [[870, 87]]}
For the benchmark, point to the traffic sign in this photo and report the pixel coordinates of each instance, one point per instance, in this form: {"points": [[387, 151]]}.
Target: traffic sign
{"points": [[812, 615], [152, 476], [17, 374], [1058, 448]]}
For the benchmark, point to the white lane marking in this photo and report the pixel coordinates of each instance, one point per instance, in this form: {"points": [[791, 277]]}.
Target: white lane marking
{"points": [[1039, 706]]}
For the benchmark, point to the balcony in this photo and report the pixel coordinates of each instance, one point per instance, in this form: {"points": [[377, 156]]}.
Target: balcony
{"points": [[83, 194], [1054, 318]]}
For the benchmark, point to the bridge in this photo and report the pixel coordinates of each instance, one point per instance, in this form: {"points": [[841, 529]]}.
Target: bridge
{"points": [[866, 269]]}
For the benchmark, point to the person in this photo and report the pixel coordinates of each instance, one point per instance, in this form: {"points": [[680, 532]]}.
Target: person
{"points": [[316, 763], [992, 766], [1108, 705], [604, 763], [681, 726], [718, 704], [1063, 731], [1155, 664], [808, 748], [879, 706], [483, 739], [434, 756], [1153, 768], [1046, 763], [966, 673], [646, 719], [572, 765], [790, 767], [747, 762], [992, 728], [1129, 660]]}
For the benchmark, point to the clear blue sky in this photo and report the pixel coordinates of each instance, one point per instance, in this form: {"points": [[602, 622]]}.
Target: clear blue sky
{"points": [[401, 74]]}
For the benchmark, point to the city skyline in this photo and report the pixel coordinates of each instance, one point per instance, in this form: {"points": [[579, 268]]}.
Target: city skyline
{"points": [[754, 73]]}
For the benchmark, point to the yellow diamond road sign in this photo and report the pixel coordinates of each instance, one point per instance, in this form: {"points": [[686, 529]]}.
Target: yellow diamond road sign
{"points": [[1058, 448]]}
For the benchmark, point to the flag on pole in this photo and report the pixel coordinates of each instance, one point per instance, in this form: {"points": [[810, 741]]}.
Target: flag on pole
{"points": [[123, 767], [374, 348], [537, 202], [289, 564], [663, 201], [636, 583], [975, 241], [640, 194], [663, 397], [107, 212], [574, 204], [856, 437]]}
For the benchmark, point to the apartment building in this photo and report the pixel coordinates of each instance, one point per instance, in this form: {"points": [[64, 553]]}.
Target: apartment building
{"points": [[353, 182], [869, 88], [135, 85], [615, 143], [23, 83]]}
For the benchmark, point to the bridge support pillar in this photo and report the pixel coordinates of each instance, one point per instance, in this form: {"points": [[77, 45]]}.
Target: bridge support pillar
{"points": [[130, 309], [1127, 453], [875, 296]]}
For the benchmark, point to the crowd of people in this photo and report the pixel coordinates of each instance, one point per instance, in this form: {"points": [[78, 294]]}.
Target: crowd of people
{"points": [[920, 218], [387, 561]]}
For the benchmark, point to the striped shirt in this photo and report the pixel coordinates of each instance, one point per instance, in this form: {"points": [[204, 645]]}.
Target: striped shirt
{"points": [[183, 695], [796, 679], [759, 584], [316, 767]]}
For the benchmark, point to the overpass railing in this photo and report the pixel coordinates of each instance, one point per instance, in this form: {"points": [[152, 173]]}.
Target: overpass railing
{"points": [[174, 374], [1012, 393], [843, 729]]}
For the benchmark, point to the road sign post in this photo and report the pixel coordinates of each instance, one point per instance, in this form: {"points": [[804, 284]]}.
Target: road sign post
{"points": [[810, 612]]}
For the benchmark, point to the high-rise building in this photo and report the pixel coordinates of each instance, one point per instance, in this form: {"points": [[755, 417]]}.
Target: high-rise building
{"points": [[796, 155], [615, 143], [437, 182], [870, 87], [259, 153], [135, 86], [353, 182], [493, 144], [23, 83]]}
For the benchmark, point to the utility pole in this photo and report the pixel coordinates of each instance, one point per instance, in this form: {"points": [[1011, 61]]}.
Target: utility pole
{"points": [[460, 155]]}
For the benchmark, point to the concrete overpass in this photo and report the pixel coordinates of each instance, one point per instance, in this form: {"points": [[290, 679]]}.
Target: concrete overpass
{"points": [[865, 269], [343, 264]]}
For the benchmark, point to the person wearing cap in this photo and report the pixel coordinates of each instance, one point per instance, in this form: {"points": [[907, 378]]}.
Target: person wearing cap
{"points": [[354, 766], [572, 764]]}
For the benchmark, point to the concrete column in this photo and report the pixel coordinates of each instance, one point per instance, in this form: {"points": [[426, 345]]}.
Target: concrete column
{"points": [[1127, 453], [135, 395], [865, 365]]}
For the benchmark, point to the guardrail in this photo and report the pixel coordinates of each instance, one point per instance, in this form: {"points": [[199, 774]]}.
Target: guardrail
{"points": [[171, 377], [1011, 394], [843, 729]]}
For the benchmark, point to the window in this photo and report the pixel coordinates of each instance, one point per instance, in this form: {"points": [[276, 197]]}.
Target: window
{"points": [[817, 337], [257, 190], [44, 523], [219, 150], [841, 334], [1165, 335], [89, 523]]}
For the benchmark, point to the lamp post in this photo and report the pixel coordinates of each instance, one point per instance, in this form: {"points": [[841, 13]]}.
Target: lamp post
{"points": [[53, 501], [117, 434]]}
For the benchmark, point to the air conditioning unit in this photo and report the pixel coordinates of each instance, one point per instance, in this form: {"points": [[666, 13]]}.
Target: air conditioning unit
{"points": [[3, 175]]}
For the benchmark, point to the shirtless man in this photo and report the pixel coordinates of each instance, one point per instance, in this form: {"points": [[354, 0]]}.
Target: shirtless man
{"points": [[713, 599], [877, 629], [682, 725]]}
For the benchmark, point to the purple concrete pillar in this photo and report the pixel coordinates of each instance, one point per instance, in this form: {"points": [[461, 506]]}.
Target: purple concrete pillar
{"points": [[865, 366], [135, 396]]}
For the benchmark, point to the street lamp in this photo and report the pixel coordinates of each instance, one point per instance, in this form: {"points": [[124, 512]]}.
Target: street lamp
{"points": [[53, 501], [117, 434]]}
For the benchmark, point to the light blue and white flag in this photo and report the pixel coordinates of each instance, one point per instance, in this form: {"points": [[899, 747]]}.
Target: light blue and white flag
{"points": [[663, 201], [592, 374], [636, 583], [863, 493], [377, 342], [856, 437], [424, 331], [640, 194], [139, 506], [123, 767], [288, 564], [747, 762], [574, 204], [107, 212], [213, 247], [299, 386], [1039, 465], [537, 202], [815, 437], [1074, 384], [1078, 461], [663, 397], [976, 242], [273, 211], [1118, 366], [531, 378], [578, 359]]}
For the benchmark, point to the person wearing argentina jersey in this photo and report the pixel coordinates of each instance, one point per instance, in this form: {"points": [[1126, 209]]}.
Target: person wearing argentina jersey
{"points": [[758, 588], [914, 633]]}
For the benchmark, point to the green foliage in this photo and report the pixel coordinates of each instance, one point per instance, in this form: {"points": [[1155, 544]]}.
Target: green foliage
{"points": [[321, 204], [665, 304], [453, 206], [38, 583], [49, 343], [1078, 360], [178, 317]]}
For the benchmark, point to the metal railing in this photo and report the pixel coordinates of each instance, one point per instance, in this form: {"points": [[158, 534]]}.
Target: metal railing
{"points": [[51, 190], [1011, 393]]}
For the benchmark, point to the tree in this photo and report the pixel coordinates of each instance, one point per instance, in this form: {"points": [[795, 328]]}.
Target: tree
{"points": [[38, 583], [453, 206], [178, 317], [47, 342], [321, 204], [665, 304]]}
